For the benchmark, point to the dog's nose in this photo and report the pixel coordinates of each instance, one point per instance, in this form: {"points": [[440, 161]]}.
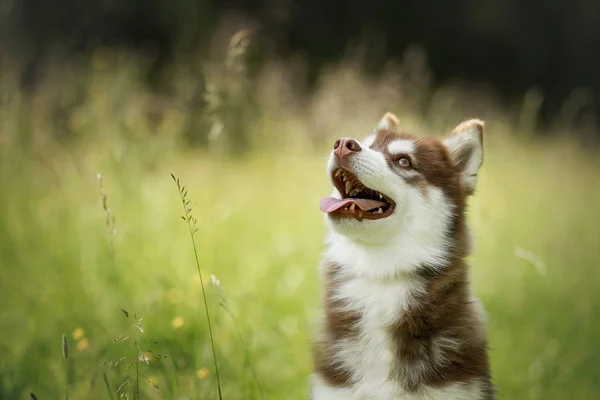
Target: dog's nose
{"points": [[345, 146]]}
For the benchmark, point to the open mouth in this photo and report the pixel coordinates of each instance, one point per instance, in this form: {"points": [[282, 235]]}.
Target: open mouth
{"points": [[358, 201]]}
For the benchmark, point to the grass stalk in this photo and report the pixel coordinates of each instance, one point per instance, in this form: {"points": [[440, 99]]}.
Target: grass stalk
{"points": [[247, 356], [137, 357], [107, 386], [65, 354], [192, 229], [225, 306]]}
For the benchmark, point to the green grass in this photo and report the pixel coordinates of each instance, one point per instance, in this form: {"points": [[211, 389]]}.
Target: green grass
{"points": [[260, 233]]}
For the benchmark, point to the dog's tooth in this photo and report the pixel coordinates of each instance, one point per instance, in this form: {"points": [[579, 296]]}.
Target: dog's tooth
{"points": [[379, 211], [352, 207], [348, 187], [380, 196], [337, 172]]}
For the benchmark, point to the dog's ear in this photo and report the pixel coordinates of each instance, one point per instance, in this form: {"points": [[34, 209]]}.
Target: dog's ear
{"points": [[465, 146], [389, 122]]}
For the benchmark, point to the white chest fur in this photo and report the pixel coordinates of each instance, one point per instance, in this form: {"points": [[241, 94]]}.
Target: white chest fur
{"points": [[370, 355]]}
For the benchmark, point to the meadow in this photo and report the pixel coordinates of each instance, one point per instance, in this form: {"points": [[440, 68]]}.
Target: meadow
{"points": [[92, 239]]}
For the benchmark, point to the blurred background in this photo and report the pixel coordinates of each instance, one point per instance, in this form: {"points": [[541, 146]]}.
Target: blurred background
{"points": [[100, 101]]}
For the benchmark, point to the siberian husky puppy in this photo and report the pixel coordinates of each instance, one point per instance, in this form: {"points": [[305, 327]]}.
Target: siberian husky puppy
{"points": [[399, 318]]}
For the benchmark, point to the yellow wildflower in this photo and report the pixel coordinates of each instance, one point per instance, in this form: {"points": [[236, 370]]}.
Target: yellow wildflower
{"points": [[78, 333], [177, 322], [202, 373], [82, 344]]}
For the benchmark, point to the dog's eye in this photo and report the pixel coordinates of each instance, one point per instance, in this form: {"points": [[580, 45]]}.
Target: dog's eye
{"points": [[404, 162]]}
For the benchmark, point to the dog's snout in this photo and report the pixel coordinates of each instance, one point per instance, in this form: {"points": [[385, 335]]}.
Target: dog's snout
{"points": [[345, 146]]}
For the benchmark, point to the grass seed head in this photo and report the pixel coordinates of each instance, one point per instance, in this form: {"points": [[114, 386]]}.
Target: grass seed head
{"points": [[65, 347]]}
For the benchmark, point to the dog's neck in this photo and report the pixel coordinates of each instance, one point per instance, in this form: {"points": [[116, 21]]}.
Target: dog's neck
{"points": [[405, 254]]}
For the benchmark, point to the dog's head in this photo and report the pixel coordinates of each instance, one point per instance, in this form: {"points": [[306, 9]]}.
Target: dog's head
{"points": [[393, 183]]}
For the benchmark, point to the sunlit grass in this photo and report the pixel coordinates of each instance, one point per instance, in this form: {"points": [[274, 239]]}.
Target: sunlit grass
{"points": [[535, 265]]}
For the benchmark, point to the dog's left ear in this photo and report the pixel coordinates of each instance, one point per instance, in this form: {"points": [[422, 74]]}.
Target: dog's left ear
{"points": [[465, 146], [389, 122]]}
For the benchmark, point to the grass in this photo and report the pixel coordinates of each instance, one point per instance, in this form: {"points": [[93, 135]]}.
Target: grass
{"points": [[536, 261], [192, 225]]}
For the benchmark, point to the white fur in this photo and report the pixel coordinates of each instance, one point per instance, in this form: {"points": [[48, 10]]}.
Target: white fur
{"points": [[472, 390], [379, 304], [401, 146], [321, 391], [457, 391]]}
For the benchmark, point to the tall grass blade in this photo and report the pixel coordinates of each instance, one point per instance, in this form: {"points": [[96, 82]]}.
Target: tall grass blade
{"points": [[191, 229], [107, 386]]}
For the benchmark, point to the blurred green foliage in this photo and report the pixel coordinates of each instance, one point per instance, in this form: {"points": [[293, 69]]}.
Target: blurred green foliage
{"points": [[66, 268], [510, 44]]}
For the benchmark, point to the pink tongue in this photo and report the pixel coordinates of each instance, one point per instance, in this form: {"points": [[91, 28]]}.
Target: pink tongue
{"points": [[329, 204]]}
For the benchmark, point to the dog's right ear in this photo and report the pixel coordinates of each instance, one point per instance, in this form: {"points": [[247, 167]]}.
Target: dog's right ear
{"points": [[389, 122], [465, 147]]}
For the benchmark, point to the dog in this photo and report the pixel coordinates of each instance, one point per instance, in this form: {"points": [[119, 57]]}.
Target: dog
{"points": [[399, 318]]}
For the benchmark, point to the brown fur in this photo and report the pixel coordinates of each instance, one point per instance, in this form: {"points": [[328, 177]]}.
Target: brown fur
{"points": [[439, 339], [445, 312], [339, 324]]}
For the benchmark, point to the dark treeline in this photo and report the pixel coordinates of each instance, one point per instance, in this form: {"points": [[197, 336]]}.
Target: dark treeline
{"points": [[514, 45]]}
